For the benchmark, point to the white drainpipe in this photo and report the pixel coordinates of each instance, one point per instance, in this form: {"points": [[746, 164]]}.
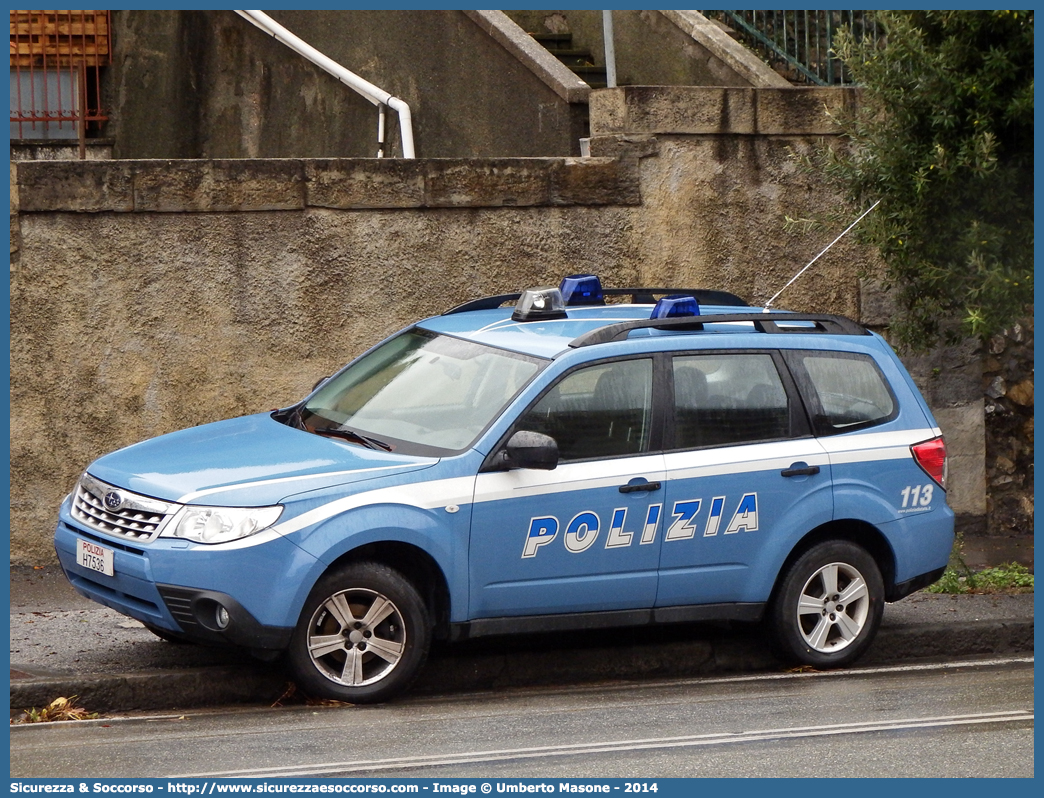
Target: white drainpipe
{"points": [[377, 96], [610, 49]]}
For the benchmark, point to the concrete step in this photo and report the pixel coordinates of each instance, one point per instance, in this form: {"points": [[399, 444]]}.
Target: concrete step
{"points": [[550, 40], [574, 58], [580, 61]]}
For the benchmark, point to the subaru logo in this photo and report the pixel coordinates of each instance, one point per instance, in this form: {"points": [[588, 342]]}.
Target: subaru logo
{"points": [[113, 500]]}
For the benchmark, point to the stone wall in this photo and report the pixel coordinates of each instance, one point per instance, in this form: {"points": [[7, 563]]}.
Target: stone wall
{"points": [[658, 48], [208, 84], [718, 176], [152, 295], [1008, 384], [147, 296]]}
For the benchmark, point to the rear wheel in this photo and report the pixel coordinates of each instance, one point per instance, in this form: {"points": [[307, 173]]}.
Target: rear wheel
{"points": [[363, 635], [829, 605]]}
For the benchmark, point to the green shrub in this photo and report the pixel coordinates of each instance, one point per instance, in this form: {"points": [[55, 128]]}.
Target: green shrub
{"points": [[1008, 578]]}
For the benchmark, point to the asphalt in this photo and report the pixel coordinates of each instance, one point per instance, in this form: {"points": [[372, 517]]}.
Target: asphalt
{"points": [[64, 645]]}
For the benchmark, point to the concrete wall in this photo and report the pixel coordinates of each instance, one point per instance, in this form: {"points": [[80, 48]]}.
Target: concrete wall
{"points": [[658, 48], [208, 84], [148, 296], [60, 150], [152, 295], [719, 176]]}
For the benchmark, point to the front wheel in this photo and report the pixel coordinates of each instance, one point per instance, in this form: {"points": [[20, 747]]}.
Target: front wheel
{"points": [[363, 635], [829, 605]]}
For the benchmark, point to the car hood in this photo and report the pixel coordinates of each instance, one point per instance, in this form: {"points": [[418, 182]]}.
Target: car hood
{"points": [[248, 461]]}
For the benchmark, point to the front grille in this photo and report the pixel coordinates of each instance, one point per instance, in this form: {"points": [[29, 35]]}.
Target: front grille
{"points": [[138, 552], [115, 511]]}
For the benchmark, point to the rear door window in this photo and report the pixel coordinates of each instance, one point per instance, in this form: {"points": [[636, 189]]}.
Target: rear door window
{"points": [[847, 391], [729, 398]]}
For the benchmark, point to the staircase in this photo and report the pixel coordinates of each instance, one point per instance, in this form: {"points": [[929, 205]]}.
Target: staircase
{"points": [[799, 45], [581, 62]]}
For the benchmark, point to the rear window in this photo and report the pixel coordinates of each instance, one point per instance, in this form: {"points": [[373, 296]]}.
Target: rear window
{"points": [[851, 391]]}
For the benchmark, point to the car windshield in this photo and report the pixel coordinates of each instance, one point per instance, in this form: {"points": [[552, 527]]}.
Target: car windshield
{"points": [[418, 393]]}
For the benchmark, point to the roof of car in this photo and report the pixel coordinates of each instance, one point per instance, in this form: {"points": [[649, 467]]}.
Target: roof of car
{"points": [[586, 325]]}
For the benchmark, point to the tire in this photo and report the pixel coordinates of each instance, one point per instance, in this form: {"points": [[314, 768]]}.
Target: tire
{"points": [[169, 637], [828, 606], [363, 635]]}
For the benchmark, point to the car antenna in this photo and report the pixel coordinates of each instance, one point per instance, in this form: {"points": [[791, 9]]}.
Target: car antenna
{"points": [[817, 257]]}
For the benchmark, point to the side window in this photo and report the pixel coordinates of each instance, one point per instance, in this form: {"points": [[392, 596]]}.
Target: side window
{"points": [[851, 391], [728, 398], [597, 411]]}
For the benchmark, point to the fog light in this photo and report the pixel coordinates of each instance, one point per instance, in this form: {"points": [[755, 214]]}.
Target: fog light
{"points": [[221, 617]]}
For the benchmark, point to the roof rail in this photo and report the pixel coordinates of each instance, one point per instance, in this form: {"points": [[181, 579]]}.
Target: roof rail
{"points": [[763, 322], [639, 296]]}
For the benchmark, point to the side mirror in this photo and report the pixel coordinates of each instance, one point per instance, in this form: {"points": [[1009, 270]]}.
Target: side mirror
{"points": [[527, 449], [319, 382]]}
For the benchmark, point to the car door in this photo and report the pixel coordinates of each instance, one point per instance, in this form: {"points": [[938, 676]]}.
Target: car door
{"points": [[745, 478], [581, 537]]}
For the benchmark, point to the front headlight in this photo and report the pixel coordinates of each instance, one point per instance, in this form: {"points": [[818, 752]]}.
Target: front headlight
{"points": [[220, 524]]}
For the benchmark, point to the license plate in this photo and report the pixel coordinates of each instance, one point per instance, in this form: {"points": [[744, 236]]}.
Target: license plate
{"points": [[97, 558]]}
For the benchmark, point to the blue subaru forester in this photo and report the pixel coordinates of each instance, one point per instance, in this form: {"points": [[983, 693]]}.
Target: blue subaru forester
{"points": [[587, 457]]}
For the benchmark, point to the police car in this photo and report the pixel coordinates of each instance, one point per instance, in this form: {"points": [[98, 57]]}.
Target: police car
{"points": [[587, 457]]}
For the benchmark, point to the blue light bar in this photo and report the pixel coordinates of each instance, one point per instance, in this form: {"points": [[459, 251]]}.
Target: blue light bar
{"points": [[581, 289], [673, 306]]}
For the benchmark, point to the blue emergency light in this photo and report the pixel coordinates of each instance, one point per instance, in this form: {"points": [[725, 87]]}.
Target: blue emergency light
{"points": [[581, 289], [673, 306]]}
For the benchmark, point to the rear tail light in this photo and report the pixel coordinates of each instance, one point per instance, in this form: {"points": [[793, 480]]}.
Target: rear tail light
{"points": [[931, 456]]}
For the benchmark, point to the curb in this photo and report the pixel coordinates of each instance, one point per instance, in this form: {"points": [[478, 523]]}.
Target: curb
{"points": [[966, 639], [151, 690], [461, 669]]}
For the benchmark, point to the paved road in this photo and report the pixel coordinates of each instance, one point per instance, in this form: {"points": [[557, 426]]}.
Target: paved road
{"points": [[962, 719], [64, 645]]}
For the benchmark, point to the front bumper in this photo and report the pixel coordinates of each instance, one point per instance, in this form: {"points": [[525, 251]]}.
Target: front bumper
{"points": [[178, 587]]}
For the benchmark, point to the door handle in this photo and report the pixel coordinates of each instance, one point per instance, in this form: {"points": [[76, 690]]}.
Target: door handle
{"points": [[639, 486], [807, 471]]}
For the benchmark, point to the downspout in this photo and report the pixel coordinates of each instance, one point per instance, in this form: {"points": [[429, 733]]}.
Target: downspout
{"points": [[609, 40], [377, 96]]}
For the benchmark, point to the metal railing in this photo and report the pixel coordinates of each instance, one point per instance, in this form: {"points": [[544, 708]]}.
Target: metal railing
{"points": [[56, 57], [378, 96], [800, 44]]}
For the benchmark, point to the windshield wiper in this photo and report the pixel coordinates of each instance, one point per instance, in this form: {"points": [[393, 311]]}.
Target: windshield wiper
{"points": [[352, 435]]}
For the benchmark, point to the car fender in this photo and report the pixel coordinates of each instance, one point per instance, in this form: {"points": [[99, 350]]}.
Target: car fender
{"points": [[857, 498], [433, 518]]}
